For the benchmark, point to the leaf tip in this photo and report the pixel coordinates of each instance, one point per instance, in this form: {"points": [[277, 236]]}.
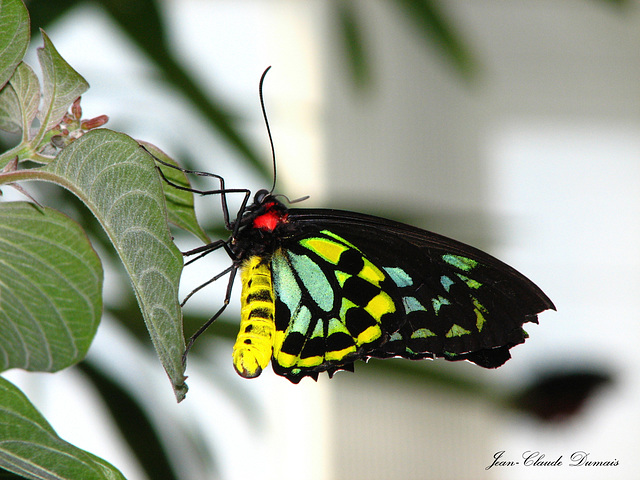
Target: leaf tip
{"points": [[180, 390]]}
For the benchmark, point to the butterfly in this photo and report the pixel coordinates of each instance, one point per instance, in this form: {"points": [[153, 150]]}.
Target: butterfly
{"points": [[323, 288]]}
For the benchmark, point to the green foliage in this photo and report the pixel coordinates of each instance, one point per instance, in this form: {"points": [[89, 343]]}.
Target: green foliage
{"points": [[115, 179], [51, 277], [31, 448], [51, 300], [14, 37], [118, 181]]}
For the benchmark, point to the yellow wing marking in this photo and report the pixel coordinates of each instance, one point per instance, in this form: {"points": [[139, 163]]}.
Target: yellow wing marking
{"points": [[327, 249]]}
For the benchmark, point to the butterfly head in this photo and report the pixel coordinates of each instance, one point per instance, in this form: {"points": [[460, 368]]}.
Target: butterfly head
{"points": [[266, 212]]}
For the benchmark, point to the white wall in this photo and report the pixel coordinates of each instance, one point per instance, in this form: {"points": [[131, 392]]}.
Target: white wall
{"points": [[539, 163]]}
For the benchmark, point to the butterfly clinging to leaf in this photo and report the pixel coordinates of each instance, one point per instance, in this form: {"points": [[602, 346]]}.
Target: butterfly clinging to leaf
{"points": [[322, 288]]}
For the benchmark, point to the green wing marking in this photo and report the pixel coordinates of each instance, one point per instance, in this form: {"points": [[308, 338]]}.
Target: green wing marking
{"points": [[458, 311], [331, 305]]}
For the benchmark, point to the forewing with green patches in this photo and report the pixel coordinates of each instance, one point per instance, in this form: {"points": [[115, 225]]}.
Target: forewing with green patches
{"points": [[451, 300]]}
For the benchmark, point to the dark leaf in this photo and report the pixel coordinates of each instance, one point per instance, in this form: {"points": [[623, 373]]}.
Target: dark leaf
{"points": [[556, 397], [355, 47], [133, 423]]}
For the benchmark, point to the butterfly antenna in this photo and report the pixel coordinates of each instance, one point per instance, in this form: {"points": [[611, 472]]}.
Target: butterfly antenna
{"points": [[301, 199], [266, 122]]}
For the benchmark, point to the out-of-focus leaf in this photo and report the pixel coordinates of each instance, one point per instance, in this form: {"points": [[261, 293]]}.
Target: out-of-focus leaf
{"points": [[617, 3], [558, 396], [50, 289], [45, 12], [133, 423], [31, 448], [438, 32], [356, 50], [141, 20]]}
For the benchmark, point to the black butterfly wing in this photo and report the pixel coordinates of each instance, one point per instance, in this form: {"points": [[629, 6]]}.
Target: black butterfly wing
{"points": [[452, 300]]}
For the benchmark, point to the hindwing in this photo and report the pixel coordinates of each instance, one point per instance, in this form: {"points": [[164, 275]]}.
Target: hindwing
{"points": [[333, 306]]}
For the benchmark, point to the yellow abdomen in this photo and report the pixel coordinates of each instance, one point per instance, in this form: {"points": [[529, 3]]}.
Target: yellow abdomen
{"points": [[254, 345]]}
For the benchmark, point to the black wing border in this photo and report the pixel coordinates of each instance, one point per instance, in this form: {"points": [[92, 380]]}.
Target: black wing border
{"points": [[382, 228]]}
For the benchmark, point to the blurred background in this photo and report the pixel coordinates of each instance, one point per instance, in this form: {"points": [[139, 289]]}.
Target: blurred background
{"points": [[513, 126]]}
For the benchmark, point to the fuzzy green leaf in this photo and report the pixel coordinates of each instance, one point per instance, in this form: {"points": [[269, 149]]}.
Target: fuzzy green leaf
{"points": [[19, 101], [118, 181], [9, 110], [61, 85], [14, 36], [30, 447], [50, 289]]}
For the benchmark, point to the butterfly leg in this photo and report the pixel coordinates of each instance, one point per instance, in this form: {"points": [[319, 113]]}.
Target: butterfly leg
{"points": [[207, 249], [222, 191], [208, 282], [227, 298]]}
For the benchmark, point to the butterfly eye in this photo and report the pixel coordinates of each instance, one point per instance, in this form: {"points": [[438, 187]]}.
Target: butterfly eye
{"points": [[260, 196]]}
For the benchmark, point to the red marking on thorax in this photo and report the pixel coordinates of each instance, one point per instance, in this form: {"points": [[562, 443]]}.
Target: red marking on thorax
{"points": [[269, 220]]}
